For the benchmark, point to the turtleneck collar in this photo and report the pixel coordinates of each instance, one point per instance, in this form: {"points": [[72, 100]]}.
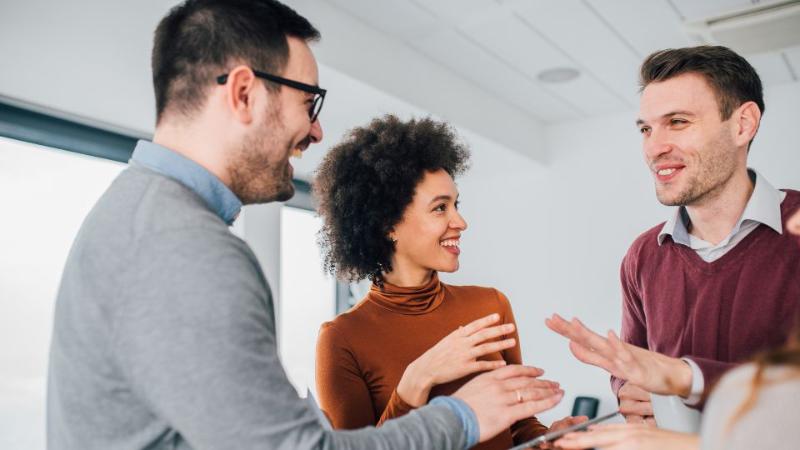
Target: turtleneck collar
{"points": [[408, 300]]}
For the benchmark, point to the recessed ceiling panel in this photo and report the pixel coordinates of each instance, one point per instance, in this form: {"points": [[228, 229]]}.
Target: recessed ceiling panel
{"points": [[694, 9], [460, 12], [589, 42], [502, 46], [456, 52], [587, 95], [792, 59], [520, 46], [646, 25], [403, 19], [771, 68]]}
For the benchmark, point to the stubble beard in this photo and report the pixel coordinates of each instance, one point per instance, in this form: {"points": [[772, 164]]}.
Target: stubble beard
{"points": [[714, 172], [260, 170]]}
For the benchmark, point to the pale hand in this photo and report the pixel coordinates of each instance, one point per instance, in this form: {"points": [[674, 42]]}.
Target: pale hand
{"points": [[635, 405], [507, 395], [629, 437], [566, 422], [651, 371], [793, 224], [455, 356]]}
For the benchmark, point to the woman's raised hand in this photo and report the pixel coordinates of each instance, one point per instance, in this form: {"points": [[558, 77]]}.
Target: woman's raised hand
{"points": [[455, 356]]}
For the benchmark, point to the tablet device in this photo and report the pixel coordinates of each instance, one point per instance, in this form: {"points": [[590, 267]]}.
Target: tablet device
{"points": [[553, 435]]}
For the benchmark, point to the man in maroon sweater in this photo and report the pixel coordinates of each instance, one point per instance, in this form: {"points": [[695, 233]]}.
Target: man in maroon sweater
{"points": [[719, 281]]}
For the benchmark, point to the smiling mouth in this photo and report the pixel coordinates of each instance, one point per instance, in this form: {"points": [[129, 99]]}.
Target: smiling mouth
{"points": [[302, 146], [451, 245], [666, 174]]}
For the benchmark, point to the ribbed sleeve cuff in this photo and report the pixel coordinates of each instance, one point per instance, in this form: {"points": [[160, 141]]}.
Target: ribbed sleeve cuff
{"points": [[466, 415]]}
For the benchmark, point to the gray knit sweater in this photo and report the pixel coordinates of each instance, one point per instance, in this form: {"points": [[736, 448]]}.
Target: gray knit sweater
{"points": [[164, 338]]}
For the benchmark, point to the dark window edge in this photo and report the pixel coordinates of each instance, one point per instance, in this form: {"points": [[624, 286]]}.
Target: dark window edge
{"points": [[29, 125]]}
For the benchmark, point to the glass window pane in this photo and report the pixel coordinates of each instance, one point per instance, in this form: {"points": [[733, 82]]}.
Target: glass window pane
{"points": [[356, 292], [307, 293], [45, 194]]}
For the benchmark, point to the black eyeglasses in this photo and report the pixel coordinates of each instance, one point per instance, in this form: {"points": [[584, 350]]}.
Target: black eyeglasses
{"points": [[319, 93]]}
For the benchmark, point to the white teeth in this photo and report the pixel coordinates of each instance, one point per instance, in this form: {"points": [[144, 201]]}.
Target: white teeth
{"points": [[450, 243], [665, 172], [297, 153]]}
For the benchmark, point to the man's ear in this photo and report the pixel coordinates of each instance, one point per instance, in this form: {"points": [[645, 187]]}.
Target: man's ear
{"points": [[240, 93], [747, 120]]}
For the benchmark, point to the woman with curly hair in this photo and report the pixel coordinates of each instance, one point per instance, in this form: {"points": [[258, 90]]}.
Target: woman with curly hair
{"points": [[390, 210]]}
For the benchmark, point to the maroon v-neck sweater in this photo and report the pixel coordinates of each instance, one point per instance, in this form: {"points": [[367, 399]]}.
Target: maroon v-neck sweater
{"points": [[717, 314]]}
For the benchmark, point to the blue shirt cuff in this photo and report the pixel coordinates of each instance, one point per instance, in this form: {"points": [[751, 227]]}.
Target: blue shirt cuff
{"points": [[469, 421]]}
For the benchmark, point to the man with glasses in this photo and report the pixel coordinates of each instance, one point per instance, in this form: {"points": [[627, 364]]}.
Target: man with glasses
{"points": [[164, 334], [319, 94]]}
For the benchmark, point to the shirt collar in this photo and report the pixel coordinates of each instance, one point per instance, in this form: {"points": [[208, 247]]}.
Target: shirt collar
{"points": [[172, 164], [764, 206]]}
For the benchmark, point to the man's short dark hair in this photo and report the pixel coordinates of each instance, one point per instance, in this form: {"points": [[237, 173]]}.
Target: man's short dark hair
{"points": [[198, 39], [732, 78]]}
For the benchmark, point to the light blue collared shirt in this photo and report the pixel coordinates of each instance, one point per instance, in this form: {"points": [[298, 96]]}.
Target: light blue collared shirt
{"points": [[172, 164], [763, 207]]}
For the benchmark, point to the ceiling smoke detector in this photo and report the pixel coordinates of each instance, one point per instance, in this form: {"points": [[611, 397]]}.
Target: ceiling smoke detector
{"points": [[756, 29], [558, 75]]}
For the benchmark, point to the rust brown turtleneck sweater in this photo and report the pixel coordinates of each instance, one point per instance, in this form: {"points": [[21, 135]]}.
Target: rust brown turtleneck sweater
{"points": [[362, 354]]}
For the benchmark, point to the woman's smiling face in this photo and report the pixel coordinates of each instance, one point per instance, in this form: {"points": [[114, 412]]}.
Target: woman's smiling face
{"points": [[428, 235]]}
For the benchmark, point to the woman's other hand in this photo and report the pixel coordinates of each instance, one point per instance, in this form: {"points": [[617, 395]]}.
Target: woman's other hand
{"points": [[455, 356]]}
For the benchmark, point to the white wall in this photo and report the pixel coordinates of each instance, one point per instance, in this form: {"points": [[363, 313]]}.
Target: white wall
{"points": [[90, 59], [776, 150]]}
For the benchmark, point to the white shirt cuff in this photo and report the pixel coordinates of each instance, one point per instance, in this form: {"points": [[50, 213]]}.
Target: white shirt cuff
{"points": [[698, 384]]}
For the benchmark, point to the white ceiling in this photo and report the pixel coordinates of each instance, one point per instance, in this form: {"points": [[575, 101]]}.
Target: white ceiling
{"points": [[471, 62], [500, 46]]}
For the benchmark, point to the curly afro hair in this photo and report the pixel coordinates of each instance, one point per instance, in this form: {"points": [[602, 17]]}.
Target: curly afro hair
{"points": [[365, 183]]}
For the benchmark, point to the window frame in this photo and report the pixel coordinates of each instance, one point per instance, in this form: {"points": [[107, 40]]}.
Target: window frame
{"points": [[303, 199], [28, 125], [24, 123]]}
